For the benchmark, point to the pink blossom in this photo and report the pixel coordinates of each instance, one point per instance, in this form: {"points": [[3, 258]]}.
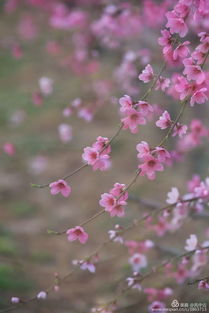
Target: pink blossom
{"points": [[108, 201], [191, 243], [181, 51], [199, 97], [126, 103], [179, 130], [132, 119], [173, 196], [147, 74], [65, 132], [15, 300], [176, 24], [144, 150], [156, 306], [9, 148], [193, 72], [46, 85], [203, 284], [145, 107], [164, 120], [97, 160], [138, 261], [150, 166], [77, 233], [88, 266], [162, 155], [162, 83], [60, 186], [42, 295], [166, 39]]}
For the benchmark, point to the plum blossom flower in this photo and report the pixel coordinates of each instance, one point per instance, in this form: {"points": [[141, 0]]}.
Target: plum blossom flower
{"points": [[65, 132], [9, 148], [98, 155], [173, 196], [60, 186], [115, 200], [77, 233], [191, 243], [138, 261], [181, 51], [15, 300], [199, 97], [150, 166], [156, 306], [162, 83], [42, 295], [46, 85], [203, 284], [132, 119], [114, 234], [143, 149], [176, 24], [125, 103], [179, 130], [193, 72], [164, 120], [147, 74]]}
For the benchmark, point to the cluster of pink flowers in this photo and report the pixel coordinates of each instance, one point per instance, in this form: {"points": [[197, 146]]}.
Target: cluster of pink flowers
{"points": [[152, 160], [134, 114], [114, 201], [98, 154]]}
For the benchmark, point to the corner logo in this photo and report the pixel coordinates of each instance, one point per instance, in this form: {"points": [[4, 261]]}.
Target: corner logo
{"points": [[175, 304]]}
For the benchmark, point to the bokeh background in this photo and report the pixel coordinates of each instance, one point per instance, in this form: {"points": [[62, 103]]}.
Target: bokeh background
{"points": [[88, 67]]}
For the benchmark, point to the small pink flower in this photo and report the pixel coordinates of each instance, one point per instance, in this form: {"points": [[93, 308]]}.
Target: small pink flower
{"points": [[88, 266], [191, 243], [179, 130], [46, 85], [132, 119], [173, 196], [193, 72], [203, 284], [42, 295], [145, 107], [77, 233], [108, 201], [143, 149], [199, 97], [9, 148], [181, 51], [65, 132], [150, 166], [164, 120], [156, 306], [162, 155], [138, 261], [176, 24], [166, 38], [60, 186], [147, 74], [15, 300], [126, 103], [162, 83]]}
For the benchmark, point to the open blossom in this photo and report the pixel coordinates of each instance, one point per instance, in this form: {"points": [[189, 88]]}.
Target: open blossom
{"points": [[125, 103], [181, 51], [203, 284], [60, 186], [138, 261], [132, 119], [157, 306], [164, 120], [191, 243], [115, 200], [9, 148], [176, 24], [98, 155], [15, 300], [143, 149], [193, 72], [147, 74], [77, 233], [199, 96], [46, 85], [162, 83], [150, 166], [179, 130], [65, 132], [173, 196], [42, 295]]}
